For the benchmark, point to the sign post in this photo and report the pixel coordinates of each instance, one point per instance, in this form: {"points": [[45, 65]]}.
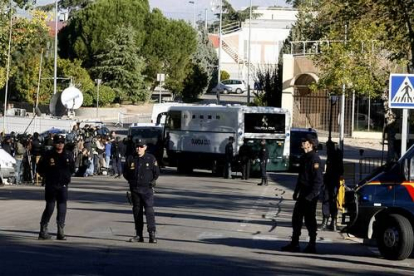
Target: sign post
{"points": [[160, 79], [401, 95]]}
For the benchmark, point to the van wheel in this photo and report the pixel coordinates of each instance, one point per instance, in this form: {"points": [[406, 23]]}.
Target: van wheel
{"points": [[226, 91], [395, 237], [239, 91]]}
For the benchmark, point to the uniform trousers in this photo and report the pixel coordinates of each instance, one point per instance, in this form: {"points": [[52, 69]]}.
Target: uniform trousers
{"points": [[304, 209], [55, 194], [143, 198]]}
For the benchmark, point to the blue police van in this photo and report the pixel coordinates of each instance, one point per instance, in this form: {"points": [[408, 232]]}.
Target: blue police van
{"points": [[380, 208]]}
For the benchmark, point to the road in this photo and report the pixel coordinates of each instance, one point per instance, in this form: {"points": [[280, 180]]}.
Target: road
{"points": [[206, 226]]}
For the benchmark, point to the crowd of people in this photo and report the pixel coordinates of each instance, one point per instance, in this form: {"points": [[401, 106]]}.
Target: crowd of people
{"points": [[94, 151]]}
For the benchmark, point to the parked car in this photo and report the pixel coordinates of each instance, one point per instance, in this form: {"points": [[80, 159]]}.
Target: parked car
{"points": [[362, 121], [7, 167], [150, 133], [230, 86]]}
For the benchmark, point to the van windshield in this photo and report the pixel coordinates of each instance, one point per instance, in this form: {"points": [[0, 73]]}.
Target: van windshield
{"points": [[149, 132]]}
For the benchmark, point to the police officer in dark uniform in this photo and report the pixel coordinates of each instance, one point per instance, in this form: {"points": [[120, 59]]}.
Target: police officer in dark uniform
{"points": [[228, 152], [263, 156], [56, 167], [332, 177], [141, 171], [306, 195], [245, 154]]}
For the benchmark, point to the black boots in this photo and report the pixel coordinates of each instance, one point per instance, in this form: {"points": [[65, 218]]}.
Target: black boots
{"points": [[152, 238], [291, 247], [139, 238], [264, 182], [44, 235], [311, 247], [61, 233], [324, 224], [332, 226]]}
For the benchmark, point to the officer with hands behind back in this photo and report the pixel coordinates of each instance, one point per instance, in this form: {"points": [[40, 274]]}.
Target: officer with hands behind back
{"points": [[306, 195], [141, 170], [56, 167]]}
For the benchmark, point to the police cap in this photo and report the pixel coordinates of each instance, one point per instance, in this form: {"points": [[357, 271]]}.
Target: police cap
{"points": [[311, 139], [140, 143], [58, 139]]}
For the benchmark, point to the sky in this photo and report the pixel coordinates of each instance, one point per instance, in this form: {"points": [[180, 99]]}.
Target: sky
{"points": [[182, 9]]}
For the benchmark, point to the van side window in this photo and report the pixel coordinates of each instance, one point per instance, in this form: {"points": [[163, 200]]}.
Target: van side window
{"points": [[411, 169], [174, 120]]}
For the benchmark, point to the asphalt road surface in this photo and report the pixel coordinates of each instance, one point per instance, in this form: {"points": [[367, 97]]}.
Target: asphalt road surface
{"points": [[206, 226]]}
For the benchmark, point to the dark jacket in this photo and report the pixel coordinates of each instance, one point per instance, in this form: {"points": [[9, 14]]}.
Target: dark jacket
{"points": [[310, 176], [263, 154], [141, 172], [36, 147], [56, 168], [229, 152], [245, 153]]}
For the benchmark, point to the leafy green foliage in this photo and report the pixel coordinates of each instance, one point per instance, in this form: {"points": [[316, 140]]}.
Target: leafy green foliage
{"points": [[88, 30], [269, 80], [201, 74], [224, 75], [106, 95], [120, 66]]}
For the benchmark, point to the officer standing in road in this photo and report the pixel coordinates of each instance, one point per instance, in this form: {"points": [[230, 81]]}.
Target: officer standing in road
{"points": [[141, 171], [263, 156], [245, 154], [228, 152], [332, 177], [306, 195], [56, 167]]}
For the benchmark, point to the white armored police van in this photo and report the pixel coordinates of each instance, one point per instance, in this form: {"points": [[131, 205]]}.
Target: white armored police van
{"points": [[196, 135]]}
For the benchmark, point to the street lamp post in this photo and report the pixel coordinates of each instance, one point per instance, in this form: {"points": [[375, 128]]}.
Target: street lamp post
{"points": [[98, 82], [332, 99], [248, 60], [8, 68], [56, 45], [194, 21]]}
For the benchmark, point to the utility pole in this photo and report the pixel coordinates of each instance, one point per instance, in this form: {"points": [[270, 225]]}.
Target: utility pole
{"points": [[248, 59], [8, 68], [56, 45]]}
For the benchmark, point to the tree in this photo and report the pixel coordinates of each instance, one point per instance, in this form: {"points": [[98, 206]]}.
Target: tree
{"points": [[121, 67], [269, 81], [88, 30], [196, 83], [179, 48], [29, 36]]}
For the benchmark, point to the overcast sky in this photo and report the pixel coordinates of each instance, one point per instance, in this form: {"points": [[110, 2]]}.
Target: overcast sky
{"points": [[182, 9]]}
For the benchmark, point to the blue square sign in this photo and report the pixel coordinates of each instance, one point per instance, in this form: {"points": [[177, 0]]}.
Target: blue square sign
{"points": [[401, 91]]}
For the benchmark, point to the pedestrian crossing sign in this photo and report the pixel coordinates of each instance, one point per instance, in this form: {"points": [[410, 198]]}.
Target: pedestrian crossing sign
{"points": [[401, 94]]}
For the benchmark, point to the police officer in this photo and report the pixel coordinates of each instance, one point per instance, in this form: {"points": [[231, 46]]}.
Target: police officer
{"points": [[245, 154], [333, 173], [263, 156], [228, 152], [306, 195], [56, 167], [141, 171]]}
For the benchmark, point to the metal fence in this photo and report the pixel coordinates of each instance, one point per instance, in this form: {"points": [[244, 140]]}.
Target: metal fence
{"points": [[312, 109], [125, 119]]}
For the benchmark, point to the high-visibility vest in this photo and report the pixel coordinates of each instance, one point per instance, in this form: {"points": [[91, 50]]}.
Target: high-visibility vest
{"points": [[341, 195]]}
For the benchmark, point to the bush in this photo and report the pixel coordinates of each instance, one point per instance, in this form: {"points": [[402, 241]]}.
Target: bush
{"points": [[224, 75], [106, 95]]}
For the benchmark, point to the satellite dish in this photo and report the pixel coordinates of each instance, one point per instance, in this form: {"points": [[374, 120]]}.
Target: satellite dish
{"points": [[55, 106], [72, 98]]}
